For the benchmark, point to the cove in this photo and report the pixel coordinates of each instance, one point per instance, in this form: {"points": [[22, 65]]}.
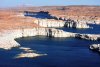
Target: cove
{"points": [[61, 52]]}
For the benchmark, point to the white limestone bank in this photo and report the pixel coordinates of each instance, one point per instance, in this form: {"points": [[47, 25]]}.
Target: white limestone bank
{"points": [[73, 24], [50, 23], [60, 23], [7, 38]]}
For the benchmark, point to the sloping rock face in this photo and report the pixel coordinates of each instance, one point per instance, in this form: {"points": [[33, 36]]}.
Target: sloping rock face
{"points": [[7, 43]]}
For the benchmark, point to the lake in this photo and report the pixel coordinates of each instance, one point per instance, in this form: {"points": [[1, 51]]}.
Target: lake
{"points": [[61, 52]]}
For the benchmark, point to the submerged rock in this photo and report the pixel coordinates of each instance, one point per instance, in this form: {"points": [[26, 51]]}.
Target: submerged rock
{"points": [[26, 49], [29, 55]]}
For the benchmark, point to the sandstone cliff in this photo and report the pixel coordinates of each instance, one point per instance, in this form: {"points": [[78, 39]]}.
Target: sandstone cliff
{"points": [[50, 23], [60, 23], [7, 39], [75, 24]]}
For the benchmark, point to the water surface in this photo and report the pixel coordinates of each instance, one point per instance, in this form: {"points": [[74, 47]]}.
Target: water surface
{"points": [[94, 29], [61, 52]]}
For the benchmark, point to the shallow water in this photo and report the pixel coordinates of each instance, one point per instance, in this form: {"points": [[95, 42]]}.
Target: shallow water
{"points": [[61, 52]]}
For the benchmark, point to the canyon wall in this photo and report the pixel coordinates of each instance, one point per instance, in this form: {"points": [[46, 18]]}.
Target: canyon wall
{"points": [[60, 23], [75, 24], [81, 19], [50, 23], [56, 21], [7, 39], [71, 17]]}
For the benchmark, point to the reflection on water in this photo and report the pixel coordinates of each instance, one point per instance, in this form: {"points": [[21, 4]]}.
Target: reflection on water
{"points": [[61, 52]]}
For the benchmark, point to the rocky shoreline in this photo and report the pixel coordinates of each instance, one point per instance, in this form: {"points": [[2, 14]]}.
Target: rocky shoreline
{"points": [[7, 40], [43, 27]]}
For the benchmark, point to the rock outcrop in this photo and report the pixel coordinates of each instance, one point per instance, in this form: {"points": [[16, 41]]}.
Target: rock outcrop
{"points": [[75, 24], [50, 23], [61, 23], [7, 39], [95, 47], [88, 36], [59, 33]]}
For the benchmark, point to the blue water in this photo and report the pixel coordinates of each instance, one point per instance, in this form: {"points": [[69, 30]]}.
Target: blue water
{"points": [[41, 15], [61, 52], [94, 30]]}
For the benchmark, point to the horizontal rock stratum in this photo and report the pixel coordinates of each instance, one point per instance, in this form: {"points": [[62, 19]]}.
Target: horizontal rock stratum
{"points": [[60, 23], [7, 39]]}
